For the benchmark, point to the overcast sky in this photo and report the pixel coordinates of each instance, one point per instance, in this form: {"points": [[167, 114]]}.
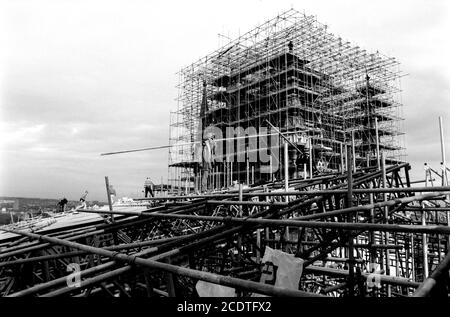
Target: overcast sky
{"points": [[79, 78]]}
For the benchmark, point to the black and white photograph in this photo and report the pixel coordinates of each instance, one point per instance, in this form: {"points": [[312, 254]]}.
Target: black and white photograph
{"points": [[216, 155]]}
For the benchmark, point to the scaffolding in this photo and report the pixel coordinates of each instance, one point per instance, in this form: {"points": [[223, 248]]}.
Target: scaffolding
{"points": [[356, 222], [319, 90], [362, 234]]}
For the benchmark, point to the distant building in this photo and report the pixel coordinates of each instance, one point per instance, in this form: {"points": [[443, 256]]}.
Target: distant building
{"points": [[9, 204]]}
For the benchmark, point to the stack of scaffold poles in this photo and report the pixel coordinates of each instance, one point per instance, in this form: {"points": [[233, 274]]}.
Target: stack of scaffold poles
{"points": [[366, 233]]}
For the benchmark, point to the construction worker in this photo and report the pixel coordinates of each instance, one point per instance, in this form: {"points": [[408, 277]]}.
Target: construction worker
{"points": [[148, 187], [62, 204], [83, 200], [207, 159], [112, 193]]}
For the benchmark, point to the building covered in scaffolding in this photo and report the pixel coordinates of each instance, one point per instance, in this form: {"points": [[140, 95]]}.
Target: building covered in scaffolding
{"points": [[290, 75], [341, 227]]}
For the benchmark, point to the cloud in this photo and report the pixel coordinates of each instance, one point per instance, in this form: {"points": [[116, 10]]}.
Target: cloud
{"points": [[12, 134]]}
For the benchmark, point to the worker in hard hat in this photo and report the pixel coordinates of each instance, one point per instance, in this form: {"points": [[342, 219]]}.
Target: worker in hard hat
{"points": [[112, 193], [83, 200], [428, 176], [148, 187]]}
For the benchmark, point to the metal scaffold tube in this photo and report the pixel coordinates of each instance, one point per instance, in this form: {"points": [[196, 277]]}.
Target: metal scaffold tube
{"points": [[204, 276]]}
